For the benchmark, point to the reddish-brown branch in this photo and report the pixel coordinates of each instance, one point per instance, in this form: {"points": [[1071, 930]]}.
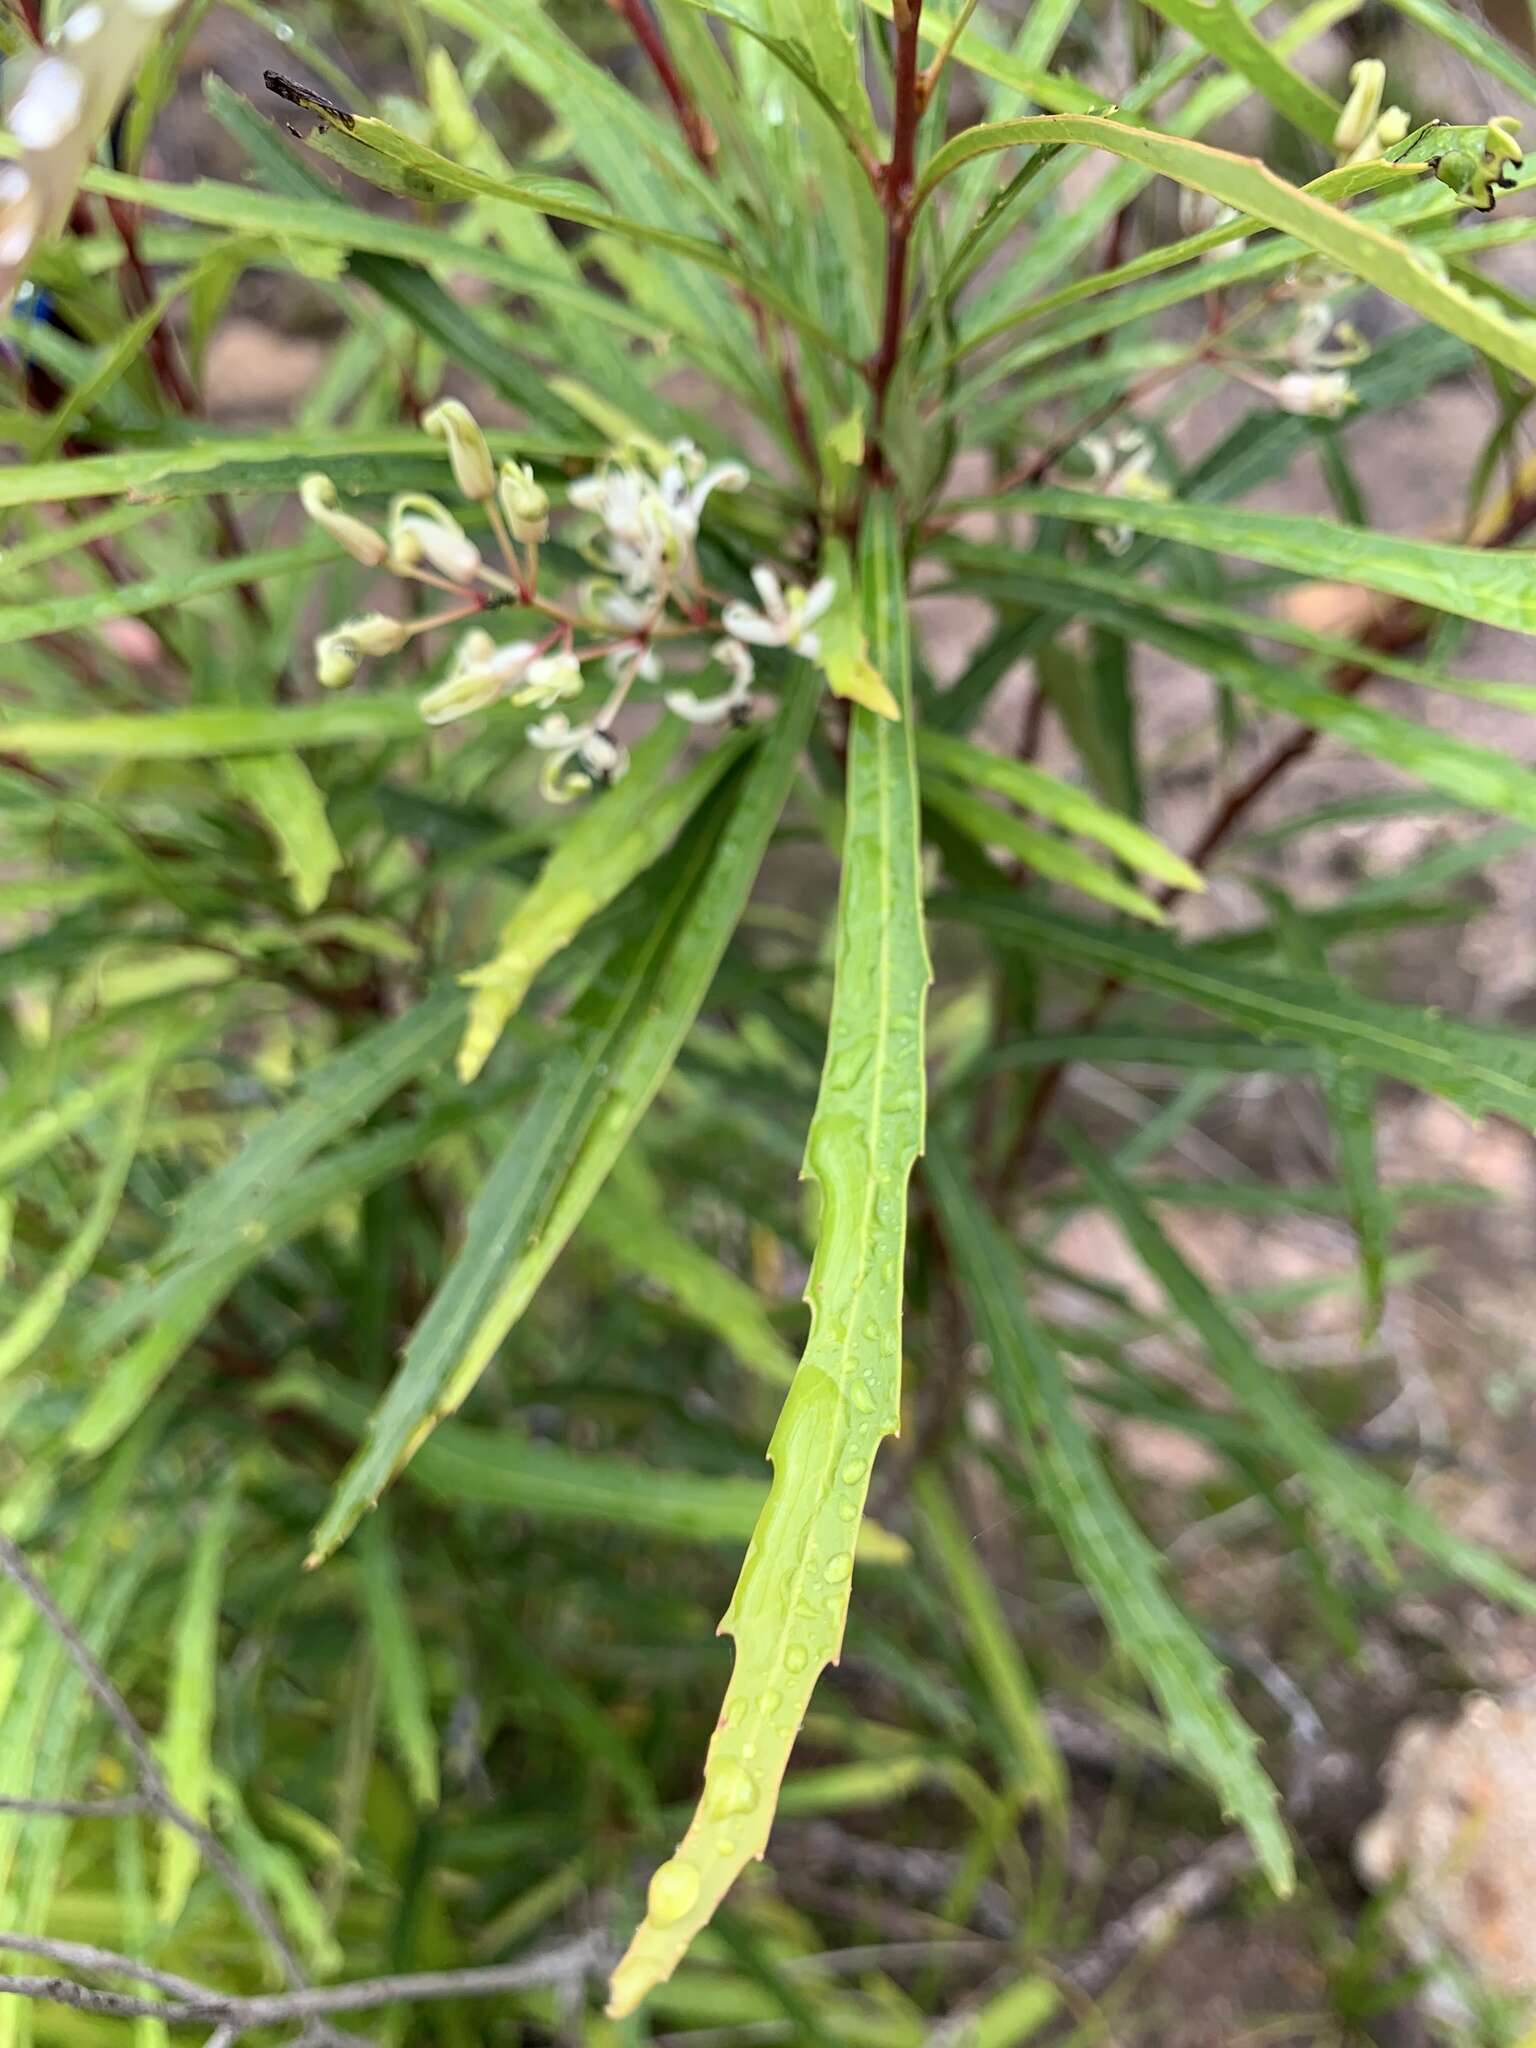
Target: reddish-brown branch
{"points": [[896, 189], [697, 132], [700, 138]]}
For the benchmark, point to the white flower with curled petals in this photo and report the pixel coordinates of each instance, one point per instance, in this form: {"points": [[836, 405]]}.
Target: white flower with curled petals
{"points": [[730, 703], [1315, 394], [581, 757], [787, 614], [482, 671]]}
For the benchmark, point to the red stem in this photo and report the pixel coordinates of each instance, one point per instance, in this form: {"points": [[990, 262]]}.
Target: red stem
{"points": [[896, 193], [696, 130]]}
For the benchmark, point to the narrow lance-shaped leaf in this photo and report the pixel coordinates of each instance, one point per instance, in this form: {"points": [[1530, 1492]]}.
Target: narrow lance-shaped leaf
{"points": [[402, 1670], [1117, 1562], [627, 1220], [187, 1746], [631, 1027], [1350, 1098], [1413, 277], [1058, 860], [1228, 34], [791, 1603], [1493, 588], [43, 1307], [599, 855], [334, 1095], [1477, 1069]]}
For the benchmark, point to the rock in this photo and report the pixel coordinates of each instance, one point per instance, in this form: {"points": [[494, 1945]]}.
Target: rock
{"points": [[1458, 1831]]}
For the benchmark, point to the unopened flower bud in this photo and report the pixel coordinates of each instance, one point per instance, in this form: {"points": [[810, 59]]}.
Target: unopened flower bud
{"points": [[317, 494], [525, 502], [422, 530], [1368, 81], [473, 470], [337, 660], [549, 679], [375, 633]]}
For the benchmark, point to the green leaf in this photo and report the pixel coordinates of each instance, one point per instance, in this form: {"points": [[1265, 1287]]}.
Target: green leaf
{"points": [[631, 1026], [402, 1668], [790, 1606], [1359, 1502], [187, 1744], [1117, 1563], [1490, 586], [500, 1468], [1056, 859], [1228, 34], [844, 653], [219, 729], [613, 839], [1480, 1071], [1063, 803], [1350, 1099], [629, 1222], [45, 1304], [822, 30], [334, 1096], [1405, 273], [287, 799], [1465, 33], [1032, 1761]]}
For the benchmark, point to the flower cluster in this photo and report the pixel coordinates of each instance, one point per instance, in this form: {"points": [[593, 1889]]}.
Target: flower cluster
{"points": [[646, 601]]}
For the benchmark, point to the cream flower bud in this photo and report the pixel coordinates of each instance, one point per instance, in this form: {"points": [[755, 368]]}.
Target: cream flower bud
{"points": [[422, 530], [375, 633], [337, 660], [549, 679], [1368, 81], [317, 494], [525, 502], [473, 470]]}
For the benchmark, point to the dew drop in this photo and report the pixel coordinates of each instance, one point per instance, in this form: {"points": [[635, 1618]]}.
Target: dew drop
{"points": [[839, 1567], [796, 1657], [853, 1471], [672, 1892], [847, 1512], [862, 1398], [729, 1789]]}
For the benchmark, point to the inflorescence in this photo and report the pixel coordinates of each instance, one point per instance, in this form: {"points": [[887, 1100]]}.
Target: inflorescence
{"points": [[638, 525]]}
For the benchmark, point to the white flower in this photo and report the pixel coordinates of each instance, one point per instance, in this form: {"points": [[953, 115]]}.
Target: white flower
{"points": [[1122, 468], [651, 523], [580, 756], [482, 671], [422, 530], [786, 616], [340, 653], [549, 679], [638, 662], [730, 703], [1316, 394]]}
